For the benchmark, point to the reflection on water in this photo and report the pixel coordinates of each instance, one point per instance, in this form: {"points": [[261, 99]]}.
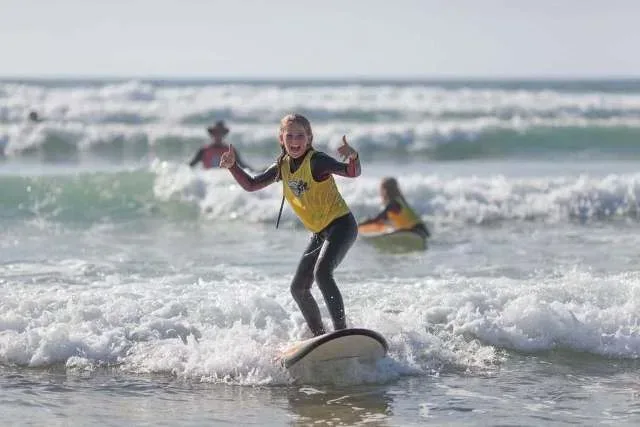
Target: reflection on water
{"points": [[348, 406]]}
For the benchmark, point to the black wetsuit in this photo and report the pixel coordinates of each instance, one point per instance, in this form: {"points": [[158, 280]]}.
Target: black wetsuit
{"points": [[326, 249], [324, 252]]}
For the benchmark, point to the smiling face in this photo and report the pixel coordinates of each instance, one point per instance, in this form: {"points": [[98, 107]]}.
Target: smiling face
{"points": [[295, 139]]}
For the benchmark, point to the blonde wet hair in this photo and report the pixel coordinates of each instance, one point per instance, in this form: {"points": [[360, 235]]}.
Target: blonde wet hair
{"points": [[390, 189], [293, 118], [298, 119]]}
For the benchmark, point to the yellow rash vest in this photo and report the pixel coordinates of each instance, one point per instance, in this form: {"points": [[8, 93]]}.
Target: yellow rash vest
{"points": [[317, 204]]}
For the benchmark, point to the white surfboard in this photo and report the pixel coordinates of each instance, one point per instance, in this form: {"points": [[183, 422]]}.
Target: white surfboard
{"points": [[387, 238], [363, 345], [397, 241]]}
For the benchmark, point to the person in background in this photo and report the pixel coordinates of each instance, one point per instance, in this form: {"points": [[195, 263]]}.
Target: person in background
{"points": [[309, 187], [397, 211], [211, 153], [33, 117]]}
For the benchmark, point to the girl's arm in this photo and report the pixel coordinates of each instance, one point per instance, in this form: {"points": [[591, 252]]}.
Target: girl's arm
{"points": [[246, 181], [254, 183], [323, 165]]}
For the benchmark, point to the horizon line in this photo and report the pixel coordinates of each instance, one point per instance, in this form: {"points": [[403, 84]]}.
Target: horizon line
{"points": [[358, 78]]}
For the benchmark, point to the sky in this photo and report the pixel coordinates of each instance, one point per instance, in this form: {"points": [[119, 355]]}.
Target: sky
{"points": [[320, 38]]}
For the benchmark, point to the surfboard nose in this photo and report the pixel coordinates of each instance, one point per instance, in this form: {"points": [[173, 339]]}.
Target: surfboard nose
{"points": [[353, 343]]}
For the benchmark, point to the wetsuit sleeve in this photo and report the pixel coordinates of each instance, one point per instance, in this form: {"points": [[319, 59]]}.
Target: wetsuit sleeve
{"points": [[323, 165], [254, 183], [197, 158], [392, 206]]}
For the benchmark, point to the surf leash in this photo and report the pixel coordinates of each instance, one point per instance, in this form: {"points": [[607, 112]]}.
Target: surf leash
{"points": [[280, 212]]}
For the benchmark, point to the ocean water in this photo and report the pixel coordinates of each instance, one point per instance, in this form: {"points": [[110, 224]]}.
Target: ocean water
{"points": [[137, 291]]}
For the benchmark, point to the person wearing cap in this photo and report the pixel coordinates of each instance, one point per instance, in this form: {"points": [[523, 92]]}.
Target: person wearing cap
{"points": [[210, 154]]}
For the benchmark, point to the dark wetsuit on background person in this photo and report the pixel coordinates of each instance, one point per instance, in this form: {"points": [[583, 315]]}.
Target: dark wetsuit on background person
{"points": [[402, 217], [211, 153], [210, 156], [311, 191]]}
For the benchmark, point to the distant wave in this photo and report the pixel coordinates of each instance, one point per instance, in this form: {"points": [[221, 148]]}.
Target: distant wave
{"points": [[432, 141], [175, 191], [440, 121]]}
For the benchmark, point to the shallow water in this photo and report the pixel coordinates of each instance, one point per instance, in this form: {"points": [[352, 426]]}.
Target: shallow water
{"points": [[137, 291], [506, 321]]}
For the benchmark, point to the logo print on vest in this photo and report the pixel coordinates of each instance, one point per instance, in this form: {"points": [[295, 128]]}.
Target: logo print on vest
{"points": [[298, 187]]}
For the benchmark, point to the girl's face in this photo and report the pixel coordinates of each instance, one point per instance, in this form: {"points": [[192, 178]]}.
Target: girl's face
{"points": [[295, 140]]}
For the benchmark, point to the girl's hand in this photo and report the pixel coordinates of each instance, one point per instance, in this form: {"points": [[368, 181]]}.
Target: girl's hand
{"points": [[346, 151], [228, 159]]}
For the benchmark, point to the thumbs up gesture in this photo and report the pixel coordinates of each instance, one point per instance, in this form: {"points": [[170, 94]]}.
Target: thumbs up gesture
{"points": [[228, 159], [346, 151]]}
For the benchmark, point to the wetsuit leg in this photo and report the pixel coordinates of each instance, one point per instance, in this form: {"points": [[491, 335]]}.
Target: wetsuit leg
{"points": [[422, 230], [338, 238], [301, 286]]}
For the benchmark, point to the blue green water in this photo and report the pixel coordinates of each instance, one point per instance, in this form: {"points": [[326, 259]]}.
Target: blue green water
{"points": [[115, 255]]}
